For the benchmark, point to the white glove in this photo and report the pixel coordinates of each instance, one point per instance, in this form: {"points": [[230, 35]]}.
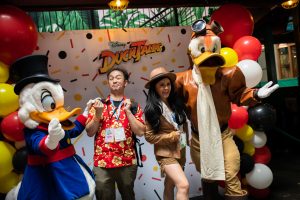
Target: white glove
{"points": [[88, 107], [56, 133], [267, 89]]}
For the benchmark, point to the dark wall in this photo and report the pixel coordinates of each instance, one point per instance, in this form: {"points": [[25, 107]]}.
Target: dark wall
{"points": [[284, 137]]}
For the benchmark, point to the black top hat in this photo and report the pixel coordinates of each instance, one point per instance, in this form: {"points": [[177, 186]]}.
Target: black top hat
{"points": [[30, 69]]}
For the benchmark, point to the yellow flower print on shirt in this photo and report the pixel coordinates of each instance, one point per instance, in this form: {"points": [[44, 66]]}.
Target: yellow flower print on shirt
{"points": [[128, 153], [121, 144], [98, 150], [134, 161], [103, 133], [101, 163], [117, 160], [128, 140]]}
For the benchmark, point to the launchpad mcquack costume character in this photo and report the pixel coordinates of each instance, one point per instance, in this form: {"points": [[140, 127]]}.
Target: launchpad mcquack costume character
{"points": [[54, 171], [208, 91]]}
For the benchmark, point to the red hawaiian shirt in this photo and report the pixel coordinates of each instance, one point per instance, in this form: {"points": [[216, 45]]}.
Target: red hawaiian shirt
{"points": [[114, 154]]}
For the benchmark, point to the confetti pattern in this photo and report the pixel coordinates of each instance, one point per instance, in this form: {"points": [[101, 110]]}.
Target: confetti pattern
{"points": [[140, 176], [157, 195], [157, 179], [71, 42], [74, 59]]}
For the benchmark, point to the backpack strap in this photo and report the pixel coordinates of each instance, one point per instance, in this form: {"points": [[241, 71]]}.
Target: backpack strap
{"points": [[137, 143]]}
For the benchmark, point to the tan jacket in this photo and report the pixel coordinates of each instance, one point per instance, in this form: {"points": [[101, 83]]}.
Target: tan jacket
{"points": [[164, 144], [230, 86]]}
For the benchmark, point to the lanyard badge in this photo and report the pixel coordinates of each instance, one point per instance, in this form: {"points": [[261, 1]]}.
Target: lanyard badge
{"points": [[115, 134]]}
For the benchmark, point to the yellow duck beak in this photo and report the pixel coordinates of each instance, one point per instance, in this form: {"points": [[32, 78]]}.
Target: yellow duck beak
{"points": [[208, 64], [60, 113]]}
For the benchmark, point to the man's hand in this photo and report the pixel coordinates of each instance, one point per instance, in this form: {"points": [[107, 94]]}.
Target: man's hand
{"points": [[98, 106], [56, 133], [266, 90], [127, 105], [90, 104]]}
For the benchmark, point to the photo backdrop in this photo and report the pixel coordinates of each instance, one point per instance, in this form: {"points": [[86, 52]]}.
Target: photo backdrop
{"points": [[77, 57]]}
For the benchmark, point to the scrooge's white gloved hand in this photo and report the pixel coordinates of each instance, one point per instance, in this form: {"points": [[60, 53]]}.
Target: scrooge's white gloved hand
{"points": [[266, 90], [88, 107], [56, 133]]}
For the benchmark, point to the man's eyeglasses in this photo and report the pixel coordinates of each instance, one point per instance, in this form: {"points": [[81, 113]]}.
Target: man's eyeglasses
{"points": [[199, 27]]}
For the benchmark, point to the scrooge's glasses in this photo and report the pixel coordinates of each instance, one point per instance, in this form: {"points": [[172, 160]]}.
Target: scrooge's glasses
{"points": [[199, 27]]}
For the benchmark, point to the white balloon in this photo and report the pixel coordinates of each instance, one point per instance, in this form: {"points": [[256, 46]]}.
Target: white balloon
{"points": [[260, 177], [252, 72], [259, 139]]}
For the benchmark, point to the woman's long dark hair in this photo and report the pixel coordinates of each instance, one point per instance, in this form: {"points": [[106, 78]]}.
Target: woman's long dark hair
{"points": [[153, 109]]}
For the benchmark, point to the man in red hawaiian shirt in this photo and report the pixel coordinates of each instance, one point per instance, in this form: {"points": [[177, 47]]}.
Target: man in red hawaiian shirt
{"points": [[114, 125]]}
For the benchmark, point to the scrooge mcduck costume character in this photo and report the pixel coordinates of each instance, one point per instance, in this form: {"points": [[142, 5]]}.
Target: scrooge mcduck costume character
{"points": [[54, 171], [208, 91]]}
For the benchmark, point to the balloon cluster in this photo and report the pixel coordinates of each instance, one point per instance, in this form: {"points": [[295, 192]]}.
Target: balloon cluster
{"points": [[249, 126], [251, 142], [242, 50], [18, 38]]}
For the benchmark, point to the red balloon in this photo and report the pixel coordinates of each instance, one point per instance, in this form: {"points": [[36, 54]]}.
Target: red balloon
{"points": [[236, 20], [262, 155], [259, 193], [247, 47], [18, 34], [12, 127], [238, 118]]}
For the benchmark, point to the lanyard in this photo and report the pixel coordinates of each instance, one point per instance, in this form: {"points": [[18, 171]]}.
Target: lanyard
{"points": [[117, 110], [174, 120]]}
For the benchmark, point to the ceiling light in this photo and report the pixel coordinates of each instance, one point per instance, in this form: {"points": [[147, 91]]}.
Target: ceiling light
{"points": [[118, 5], [290, 4]]}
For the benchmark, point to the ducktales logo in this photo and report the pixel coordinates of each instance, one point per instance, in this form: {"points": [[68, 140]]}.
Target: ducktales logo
{"points": [[135, 51]]}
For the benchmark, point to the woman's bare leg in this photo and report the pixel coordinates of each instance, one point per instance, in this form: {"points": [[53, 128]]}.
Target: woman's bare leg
{"points": [[176, 175]]}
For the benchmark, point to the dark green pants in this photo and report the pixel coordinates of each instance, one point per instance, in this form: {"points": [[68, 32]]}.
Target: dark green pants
{"points": [[107, 177]]}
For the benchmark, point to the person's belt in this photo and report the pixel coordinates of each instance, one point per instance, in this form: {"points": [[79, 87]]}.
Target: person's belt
{"points": [[223, 128], [59, 155]]}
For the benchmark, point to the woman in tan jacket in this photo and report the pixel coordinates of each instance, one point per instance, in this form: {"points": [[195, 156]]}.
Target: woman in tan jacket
{"points": [[165, 119]]}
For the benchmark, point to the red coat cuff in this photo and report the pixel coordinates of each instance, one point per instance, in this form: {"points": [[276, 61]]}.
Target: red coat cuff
{"points": [[44, 149], [81, 119]]}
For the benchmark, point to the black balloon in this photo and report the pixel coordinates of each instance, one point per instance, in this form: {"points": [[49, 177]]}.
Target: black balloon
{"points": [[261, 117], [247, 164], [239, 143], [20, 160]]}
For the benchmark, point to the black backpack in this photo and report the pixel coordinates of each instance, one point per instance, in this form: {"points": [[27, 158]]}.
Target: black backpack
{"points": [[137, 142]]}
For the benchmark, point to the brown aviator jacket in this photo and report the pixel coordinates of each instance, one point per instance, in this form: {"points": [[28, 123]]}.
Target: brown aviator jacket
{"points": [[229, 86]]}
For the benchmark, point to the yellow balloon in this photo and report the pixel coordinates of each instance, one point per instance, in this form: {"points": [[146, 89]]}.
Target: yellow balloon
{"points": [[7, 151], [9, 101], [8, 182], [245, 133], [230, 56], [4, 72], [249, 148]]}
